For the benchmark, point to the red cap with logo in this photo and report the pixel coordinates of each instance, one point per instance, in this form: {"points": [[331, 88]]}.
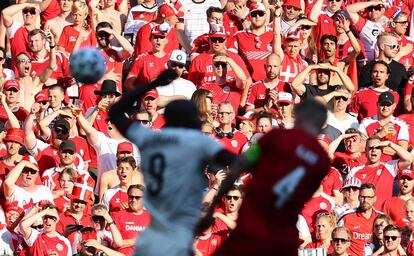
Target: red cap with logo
{"points": [[257, 7], [125, 147], [161, 29], [406, 173], [217, 30], [41, 96], [153, 93], [166, 10], [294, 35], [11, 84]]}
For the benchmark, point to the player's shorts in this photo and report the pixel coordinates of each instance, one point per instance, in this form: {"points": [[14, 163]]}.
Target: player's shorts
{"points": [[172, 242]]}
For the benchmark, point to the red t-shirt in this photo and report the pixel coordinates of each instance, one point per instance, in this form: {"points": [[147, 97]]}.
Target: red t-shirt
{"points": [[130, 226], [62, 203], [143, 40], [114, 197], [409, 119], [332, 181], [20, 42], [283, 180], [114, 63], [51, 11], [159, 122], [315, 206], [234, 144], [259, 93], [147, 67], [291, 67], [324, 26], [345, 162], [19, 112], [62, 63], [40, 244], [66, 218], [69, 36], [225, 92], [394, 207]]}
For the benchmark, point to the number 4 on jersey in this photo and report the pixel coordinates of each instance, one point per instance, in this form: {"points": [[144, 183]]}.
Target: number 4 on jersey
{"points": [[284, 188]]}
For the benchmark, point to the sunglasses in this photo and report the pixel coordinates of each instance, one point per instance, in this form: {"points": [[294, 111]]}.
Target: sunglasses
{"points": [[341, 98], [305, 27], [289, 7], [32, 11], [175, 64], [158, 37], [12, 90], [366, 197], [1, 58], [38, 227], [393, 46], [340, 240], [61, 130], [393, 238], [377, 8], [257, 14], [134, 197], [24, 61], [217, 39], [235, 198], [97, 218], [402, 22], [352, 188], [27, 171], [334, 1], [219, 63]]}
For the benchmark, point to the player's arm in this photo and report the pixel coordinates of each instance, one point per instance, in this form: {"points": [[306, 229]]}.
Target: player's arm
{"points": [[117, 112]]}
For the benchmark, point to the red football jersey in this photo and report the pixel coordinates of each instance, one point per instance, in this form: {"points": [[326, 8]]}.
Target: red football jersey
{"points": [[225, 92], [324, 26], [147, 67], [19, 42], [40, 244], [332, 181], [259, 92], [409, 119], [394, 207], [289, 170], [291, 67], [62, 63], [114, 62], [69, 36], [114, 198], [143, 40]]}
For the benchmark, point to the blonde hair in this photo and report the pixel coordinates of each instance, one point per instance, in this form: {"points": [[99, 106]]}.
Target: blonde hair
{"points": [[79, 6]]}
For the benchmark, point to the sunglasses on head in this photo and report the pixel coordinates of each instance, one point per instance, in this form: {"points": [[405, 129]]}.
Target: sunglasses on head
{"points": [[219, 63], [235, 198], [257, 14], [341, 98], [376, 8], [37, 227], [217, 39], [393, 238], [27, 171], [305, 27], [134, 197], [175, 64], [61, 130], [32, 11], [339, 240], [97, 218]]}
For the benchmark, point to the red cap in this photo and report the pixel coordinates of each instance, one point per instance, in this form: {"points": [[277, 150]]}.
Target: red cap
{"points": [[15, 135], [153, 93], [256, 6], [294, 35], [166, 10], [83, 188], [406, 173], [43, 95], [125, 147], [11, 84], [14, 206], [294, 3], [217, 30], [161, 30]]}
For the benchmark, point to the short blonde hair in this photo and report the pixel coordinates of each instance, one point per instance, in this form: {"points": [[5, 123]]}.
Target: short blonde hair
{"points": [[79, 6]]}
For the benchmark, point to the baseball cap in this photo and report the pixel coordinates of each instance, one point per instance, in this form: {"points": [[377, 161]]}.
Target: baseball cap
{"points": [[294, 3], [178, 56], [352, 182], [293, 35], [257, 7], [161, 29], [284, 97], [43, 95], [15, 135], [406, 173], [62, 123], [386, 97], [217, 30], [11, 84], [67, 145], [165, 11], [125, 147], [153, 93], [341, 12]]}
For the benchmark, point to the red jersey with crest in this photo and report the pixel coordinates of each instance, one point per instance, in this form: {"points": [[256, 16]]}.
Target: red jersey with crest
{"points": [[344, 162], [62, 65], [394, 207], [324, 26], [332, 181], [140, 15], [254, 50], [114, 63], [69, 36], [291, 67], [19, 42], [144, 44], [130, 226], [235, 143], [290, 166], [224, 92], [364, 102], [114, 198], [313, 207], [409, 86], [147, 67], [201, 68], [232, 23], [40, 244], [409, 119], [360, 227], [381, 176], [259, 92]]}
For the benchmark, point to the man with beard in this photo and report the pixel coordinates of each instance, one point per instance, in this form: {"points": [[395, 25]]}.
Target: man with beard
{"points": [[386, 126], [116, 198], [381, 174], [263, 93], [115, 57], [133, 220], [394, 207], [361, 220], [28, 192], [323, 75], [49, 241]]}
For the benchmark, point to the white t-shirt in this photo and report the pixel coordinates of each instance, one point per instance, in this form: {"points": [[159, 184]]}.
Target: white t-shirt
{"points": [[342, 125], [24, 197], [179, 86]]}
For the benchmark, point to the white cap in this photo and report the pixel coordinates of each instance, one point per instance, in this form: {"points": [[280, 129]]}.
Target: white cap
{"points": [[284, 97], [178, 56]]}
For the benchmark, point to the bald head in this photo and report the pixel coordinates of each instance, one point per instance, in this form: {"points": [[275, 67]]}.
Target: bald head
{"points": [[272, 67]]}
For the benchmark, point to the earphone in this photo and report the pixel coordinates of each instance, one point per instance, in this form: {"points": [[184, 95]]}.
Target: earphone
{"points": [[222, 134]]}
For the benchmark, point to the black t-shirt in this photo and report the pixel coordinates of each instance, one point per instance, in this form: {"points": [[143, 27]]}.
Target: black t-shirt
{"points": [[312, 91], [396, 81]]}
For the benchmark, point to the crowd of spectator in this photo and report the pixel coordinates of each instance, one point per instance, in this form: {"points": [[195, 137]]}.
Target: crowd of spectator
{"points": [[71, 183]]}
